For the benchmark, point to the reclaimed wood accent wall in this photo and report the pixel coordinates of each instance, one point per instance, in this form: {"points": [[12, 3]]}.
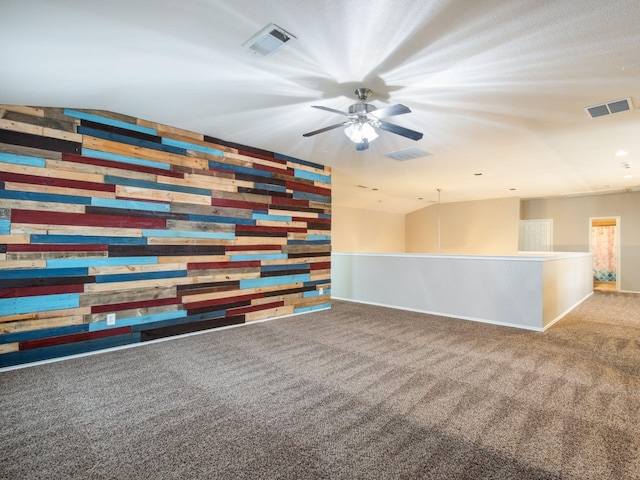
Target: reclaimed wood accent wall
{"points": [[116, 230]]}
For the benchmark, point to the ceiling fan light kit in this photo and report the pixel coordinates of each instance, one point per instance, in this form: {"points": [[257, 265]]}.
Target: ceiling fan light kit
{"points": [[364, 118]]}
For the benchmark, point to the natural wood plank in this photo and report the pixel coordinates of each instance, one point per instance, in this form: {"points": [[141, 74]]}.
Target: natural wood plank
{"points": [[171, 132], [127, 296], [115, 286], [97, 170], [200, 258], [136, 312], [160, 195], [51, 173], [52, 255], [33, 111], [9, 347], [29, 151], [51, 314], [14, 239], [39, 130], [32, 205], [200, 226], [113, 270], [23, 264], [269, 313], [141, 152], [51, 229]]}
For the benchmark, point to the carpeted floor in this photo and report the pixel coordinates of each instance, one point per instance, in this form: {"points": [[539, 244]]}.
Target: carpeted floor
{"points": [[357, 392]]}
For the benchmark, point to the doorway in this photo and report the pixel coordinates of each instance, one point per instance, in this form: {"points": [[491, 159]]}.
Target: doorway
{"points": [[604, 245]]}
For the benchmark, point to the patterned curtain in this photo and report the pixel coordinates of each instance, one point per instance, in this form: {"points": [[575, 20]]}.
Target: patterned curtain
{"points": [[603, 241]]}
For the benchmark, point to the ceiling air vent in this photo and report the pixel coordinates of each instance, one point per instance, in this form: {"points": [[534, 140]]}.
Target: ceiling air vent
{"points": [[407, 154], [268, 40], [615, 106]]}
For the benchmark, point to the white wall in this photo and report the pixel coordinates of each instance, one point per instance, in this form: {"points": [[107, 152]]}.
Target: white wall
{"points": [[358, 230], [484, 227]]}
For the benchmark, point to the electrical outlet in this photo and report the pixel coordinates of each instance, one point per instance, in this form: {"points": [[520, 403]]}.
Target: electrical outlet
{"points": [[321, 291], [111, 318]]}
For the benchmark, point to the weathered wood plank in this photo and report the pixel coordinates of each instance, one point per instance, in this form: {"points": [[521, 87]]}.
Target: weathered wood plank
{"points": [[127, 296], [269, 313], [160, 195], [32, 111]]}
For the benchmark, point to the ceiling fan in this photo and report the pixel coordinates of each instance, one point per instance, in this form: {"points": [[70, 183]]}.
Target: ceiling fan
{"points": [[363, 118]]}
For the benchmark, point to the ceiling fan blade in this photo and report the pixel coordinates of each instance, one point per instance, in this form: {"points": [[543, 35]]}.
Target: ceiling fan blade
{"points": [[362, 145], [398, 109], [332, 110], [405, 132], [325, 129]]}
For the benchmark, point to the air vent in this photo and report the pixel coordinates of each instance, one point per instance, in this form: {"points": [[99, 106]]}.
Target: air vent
{"points": [[407, 154], [268, 40], [615, 106]]}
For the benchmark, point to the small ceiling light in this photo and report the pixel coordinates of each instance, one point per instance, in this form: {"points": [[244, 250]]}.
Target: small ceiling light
{"points": [[627, 164], [628, 176], [359, 132], [622, 153]]}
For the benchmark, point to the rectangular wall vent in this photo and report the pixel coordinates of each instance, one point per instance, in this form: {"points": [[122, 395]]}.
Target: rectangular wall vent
{"points": [[614, 106], [268, 40], [407, 154]]}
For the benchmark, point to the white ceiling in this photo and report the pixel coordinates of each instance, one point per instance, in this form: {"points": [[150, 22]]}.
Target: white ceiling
{"points": [[497, 86]]}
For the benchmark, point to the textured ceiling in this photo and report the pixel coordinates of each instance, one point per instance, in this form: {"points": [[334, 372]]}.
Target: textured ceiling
{"points": [[497, 86]]}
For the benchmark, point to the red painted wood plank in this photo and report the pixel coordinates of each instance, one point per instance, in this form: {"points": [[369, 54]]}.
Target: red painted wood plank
{"points": [[214, 265], [289, 201], [266, 168], [320, 265], [265, 156], [86, 219], [50, 247], [115, 307], [253, 308], [263, 229], [55, 182], [312, 220], [68, 157], [71, 338], [222, 301], [33, 291], [303, 187], [223, 202]]}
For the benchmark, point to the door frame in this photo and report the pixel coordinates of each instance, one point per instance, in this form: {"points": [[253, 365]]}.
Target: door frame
{"points": [[617, 245]]}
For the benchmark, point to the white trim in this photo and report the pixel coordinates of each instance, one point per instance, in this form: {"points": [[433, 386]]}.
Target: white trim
{"points": [[447, 315], [563, 314]]}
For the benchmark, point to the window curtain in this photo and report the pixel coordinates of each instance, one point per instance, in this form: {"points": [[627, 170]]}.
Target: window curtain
{"points": [[603, 241]]}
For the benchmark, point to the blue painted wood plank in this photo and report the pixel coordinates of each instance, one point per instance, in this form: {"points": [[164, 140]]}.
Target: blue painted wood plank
{"points": [[279, 268], [308, 242], [216, 219], [5, 226], [315, 283], [273, 281], [143, 319], [307, 175], [326, 216], [100, 262], [273, 218], [109, 121], [297, 160], [87, 239], [311, 196], [116, 157], [45, 197], [239, 169], [22, 159], [116, 137], [130, 204], [187, 234], [192, 146], [316, 236], [247, 257], [132, 182], [46, 353], [270, 187], [43, 272], [134, 277], [43, 333], [40, 303], [316, 293], [323, 306]]}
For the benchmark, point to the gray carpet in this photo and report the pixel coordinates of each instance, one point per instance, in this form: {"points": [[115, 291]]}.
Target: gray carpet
{"points": [[357, 392]]}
